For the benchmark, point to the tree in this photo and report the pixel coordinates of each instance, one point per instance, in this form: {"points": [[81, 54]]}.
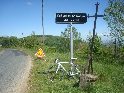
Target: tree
{"points": [[96, 46], [66, 33], [32, 41], [8, 42], [65, 41], [115, 18]]}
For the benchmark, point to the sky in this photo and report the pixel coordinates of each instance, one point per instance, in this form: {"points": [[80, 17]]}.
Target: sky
{"points": [[25, 16]]}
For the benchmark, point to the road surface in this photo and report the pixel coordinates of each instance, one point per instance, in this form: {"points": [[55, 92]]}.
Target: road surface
{"points": [[14, 71]]}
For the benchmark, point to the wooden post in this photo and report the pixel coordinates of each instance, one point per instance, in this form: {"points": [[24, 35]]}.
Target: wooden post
{"points": [[87, 72], [115, 49], [90, 66]]}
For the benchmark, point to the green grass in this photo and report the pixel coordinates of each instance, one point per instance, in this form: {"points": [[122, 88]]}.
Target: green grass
{"points": [[1, 48], [110, 77]]}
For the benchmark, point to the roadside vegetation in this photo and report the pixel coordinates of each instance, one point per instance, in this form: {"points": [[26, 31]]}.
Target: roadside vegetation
{"points": [[108, 57], [107, 67]]}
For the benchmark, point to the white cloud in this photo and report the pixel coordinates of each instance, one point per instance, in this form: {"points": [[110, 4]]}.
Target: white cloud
{"points": [[29, 3]]}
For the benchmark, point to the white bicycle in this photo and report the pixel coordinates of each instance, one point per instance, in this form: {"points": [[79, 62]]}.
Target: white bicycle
{"points": [[60, 70]]}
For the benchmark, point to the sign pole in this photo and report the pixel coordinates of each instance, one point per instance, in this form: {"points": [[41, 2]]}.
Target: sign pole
{"points": [[71, 42], [71, 18]]}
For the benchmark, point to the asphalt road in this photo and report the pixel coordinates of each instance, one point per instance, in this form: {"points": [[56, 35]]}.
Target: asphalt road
{"points": [[14, 68]]}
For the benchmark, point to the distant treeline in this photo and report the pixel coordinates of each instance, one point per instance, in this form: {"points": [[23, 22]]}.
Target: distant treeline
{"points": [[108, 53], [53, 43]]}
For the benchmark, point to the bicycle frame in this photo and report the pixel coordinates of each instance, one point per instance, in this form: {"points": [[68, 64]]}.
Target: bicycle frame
{"points": [[74, 70]]}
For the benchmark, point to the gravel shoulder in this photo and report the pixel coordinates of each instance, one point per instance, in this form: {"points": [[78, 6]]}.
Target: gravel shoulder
{"points": [[15, 68]]}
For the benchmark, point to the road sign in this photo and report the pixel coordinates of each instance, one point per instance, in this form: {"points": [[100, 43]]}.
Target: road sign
{"points": [[40, 53], [74, 18]]}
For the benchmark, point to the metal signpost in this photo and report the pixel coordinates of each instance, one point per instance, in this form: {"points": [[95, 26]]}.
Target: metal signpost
{"points": [[75, 18], [71, 18]]}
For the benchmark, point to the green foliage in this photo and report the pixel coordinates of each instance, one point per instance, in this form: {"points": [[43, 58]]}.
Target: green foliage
{"points": [[82, 51], [31, 41], [96, 44], [66, 33], [110, 72], [57, 44], [51, 41], [8, 42], [64, 43], [115, 18]]}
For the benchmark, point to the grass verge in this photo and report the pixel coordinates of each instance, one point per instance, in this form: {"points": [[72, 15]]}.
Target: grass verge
{"points": [[111, 77]]}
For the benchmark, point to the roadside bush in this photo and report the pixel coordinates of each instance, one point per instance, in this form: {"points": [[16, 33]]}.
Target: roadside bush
{"points": [[32, 42], [8, 42]]}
